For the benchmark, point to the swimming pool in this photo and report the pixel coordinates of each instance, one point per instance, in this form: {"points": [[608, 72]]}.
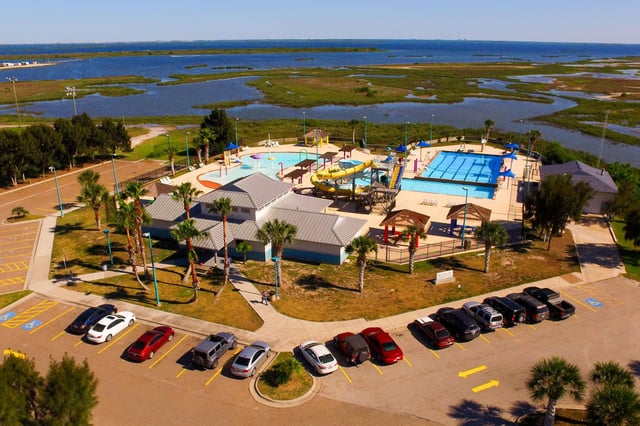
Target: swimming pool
{"points": [[448, 188], [464, 167], [269, 164]]}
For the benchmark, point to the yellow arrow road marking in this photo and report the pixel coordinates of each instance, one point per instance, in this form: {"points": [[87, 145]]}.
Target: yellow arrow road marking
{"points": [[472, 371], [485, 386], [169, 351], [345, 374]]}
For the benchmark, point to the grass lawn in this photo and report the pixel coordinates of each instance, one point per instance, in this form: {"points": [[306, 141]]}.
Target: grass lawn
{"points": [[9, 298], [299, 384], [330, 293], [630, 254]]}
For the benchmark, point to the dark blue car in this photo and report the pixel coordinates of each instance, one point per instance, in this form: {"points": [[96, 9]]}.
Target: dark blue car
{"points": [[91, 316]]}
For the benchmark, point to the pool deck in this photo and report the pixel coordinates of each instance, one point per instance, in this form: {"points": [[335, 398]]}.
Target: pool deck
{"points": [[505, 206]]}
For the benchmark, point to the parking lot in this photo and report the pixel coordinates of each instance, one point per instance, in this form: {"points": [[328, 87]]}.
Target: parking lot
{"points": [[462, 380], [16, 247]]}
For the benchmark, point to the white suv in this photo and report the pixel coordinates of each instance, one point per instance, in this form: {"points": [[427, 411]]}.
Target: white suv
{"points": [[487, 318]]}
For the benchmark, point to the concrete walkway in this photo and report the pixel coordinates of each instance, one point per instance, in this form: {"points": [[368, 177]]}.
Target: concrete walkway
{"points": [[598, 255]]}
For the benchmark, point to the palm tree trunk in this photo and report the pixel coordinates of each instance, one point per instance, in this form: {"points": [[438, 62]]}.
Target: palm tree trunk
{"points": [[550, 238], [132, 259], [140, 244], [206, 153], [194, 280], [226, 255], [190, 268], [412, 260], [487, 256], [96, 214], [363, 266], [550, 415]]}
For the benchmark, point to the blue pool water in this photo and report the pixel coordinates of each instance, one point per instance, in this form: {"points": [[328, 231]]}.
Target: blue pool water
{"points": [[265, 165], [464, 167], [475, 191]]}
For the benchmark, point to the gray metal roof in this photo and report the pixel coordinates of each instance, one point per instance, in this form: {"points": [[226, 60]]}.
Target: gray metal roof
{"points": [[302, 202], [165, 208], [254, 191], [599, 179], [320, 227]]}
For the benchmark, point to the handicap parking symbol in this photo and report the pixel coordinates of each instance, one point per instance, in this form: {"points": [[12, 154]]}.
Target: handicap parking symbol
{"points": [[594, 302], [31, 325], [7, 316]]}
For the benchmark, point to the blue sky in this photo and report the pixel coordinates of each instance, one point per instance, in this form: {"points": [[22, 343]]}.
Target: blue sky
{"points": [[65, 21]]}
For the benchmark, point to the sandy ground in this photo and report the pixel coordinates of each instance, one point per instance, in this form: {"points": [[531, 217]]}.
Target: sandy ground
{"points": [[154, 131]]}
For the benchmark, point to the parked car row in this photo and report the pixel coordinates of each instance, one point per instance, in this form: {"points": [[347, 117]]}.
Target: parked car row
{"points": [[101, 323], [464, 324]]}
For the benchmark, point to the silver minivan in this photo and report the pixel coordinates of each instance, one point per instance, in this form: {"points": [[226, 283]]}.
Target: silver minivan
{"points": [[487, 317]]}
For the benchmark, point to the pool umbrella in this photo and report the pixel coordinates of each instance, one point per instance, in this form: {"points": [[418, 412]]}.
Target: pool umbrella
{"points": [[512, 146], [231, 146], [258, 157], [401, 148], [423, 144]]}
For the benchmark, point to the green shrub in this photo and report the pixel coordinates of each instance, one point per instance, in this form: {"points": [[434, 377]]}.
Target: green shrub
{"points": [[281, 373]]}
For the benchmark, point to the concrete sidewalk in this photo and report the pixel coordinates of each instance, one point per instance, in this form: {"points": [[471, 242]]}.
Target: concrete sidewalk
{"points": [[593, 240]]}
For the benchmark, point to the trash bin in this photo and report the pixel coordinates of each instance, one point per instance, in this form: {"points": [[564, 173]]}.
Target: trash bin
{"points": [[105, 267], [467, 244], [272, 295]]}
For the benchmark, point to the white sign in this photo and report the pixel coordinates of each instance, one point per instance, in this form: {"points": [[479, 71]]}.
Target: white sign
{"points": [[444, 277]]}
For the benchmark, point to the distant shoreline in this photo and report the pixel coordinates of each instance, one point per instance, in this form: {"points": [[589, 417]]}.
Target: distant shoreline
{"points": [[12, 66]]}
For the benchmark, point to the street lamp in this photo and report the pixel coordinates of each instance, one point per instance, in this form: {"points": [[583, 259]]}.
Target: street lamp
{"points": [[55, 177], [107, 232], [186, 145], [464, 218], [173, 171], [317, 155], [405, 133], [604, 131], [365, 131], [15, 97], [153, 267], [115, 177], [71, 91], [275, 270], [236, 127], [431, 129], [304, 123]]}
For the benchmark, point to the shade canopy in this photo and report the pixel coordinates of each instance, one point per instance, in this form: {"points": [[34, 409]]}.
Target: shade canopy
{"points": [[423, 144], [512, 146], [511, 155], [507, 173], [231, 146], [401, 148]]}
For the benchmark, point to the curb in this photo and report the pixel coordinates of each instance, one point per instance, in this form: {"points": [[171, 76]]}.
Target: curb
{"points": [[265, 400]]}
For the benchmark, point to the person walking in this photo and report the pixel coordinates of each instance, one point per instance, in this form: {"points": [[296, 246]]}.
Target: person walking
{"points": [[265, 297]]}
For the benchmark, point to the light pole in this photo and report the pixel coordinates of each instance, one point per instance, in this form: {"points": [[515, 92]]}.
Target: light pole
{"points": [[107, 232], [173, 171], [317, 163], [431, 129], [186, 145], [15, 97], [405, 133], [71, 91], [365, 132], [604, 131], [304, 124], [464, 218], [235, 123], [115, 177], [153, 267], [55, 177], [275, 270]]}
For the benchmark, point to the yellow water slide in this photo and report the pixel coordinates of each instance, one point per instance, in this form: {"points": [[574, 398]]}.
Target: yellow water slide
{"points": [[321, 178]]}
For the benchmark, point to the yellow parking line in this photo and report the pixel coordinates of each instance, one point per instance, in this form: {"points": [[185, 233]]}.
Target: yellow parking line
{"points": [[591, 308], [120, 336], [78, 343], [30, 313], [531, 326], [377, 368], [214, 376], [434, 353], [506, 331], [175, 345], [484, 338], [57, 335], [51, 320], [408, 362], [345, 374], [460, 346], [181, 372], [237, 351]]}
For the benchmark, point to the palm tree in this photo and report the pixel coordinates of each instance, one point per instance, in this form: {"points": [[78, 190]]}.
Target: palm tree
{"points": [[135, 191], [493, 235], [413, 233], [92, 193], [488, 125], [187, 231], [554, 378], [362, 246], [614, 405], [277, 233], [126, 221], [610, 374], [533, 135], [206, 135], [223, 206], [244, 248], [186, 194]]}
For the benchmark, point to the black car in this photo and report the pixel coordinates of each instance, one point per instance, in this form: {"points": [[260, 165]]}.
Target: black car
{"points": [[459, 323], [512, 312], [88, 318], [536, 310]]}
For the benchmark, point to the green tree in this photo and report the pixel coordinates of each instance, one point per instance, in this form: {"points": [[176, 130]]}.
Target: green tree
{"points": [[615, 405], [632, 225], [126, 221], [244, 248], [362, 246], [115, 136], [221, 127], [19, 212], [72, 140], [488, 125], [45, 146], [277, 233], [557, 200], [223, 206], [19, 386], [206, 136], [533, 136], [186, 193], [413, 233], [69, 393], [12, 155], [136, 191], [187, 231], [92, 193], [552, 379], [493, 234], [609, 374]]}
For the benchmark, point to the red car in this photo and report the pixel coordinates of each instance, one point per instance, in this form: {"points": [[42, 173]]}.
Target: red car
{"points": [[382, 345], [149, 343], [436, 333]]}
